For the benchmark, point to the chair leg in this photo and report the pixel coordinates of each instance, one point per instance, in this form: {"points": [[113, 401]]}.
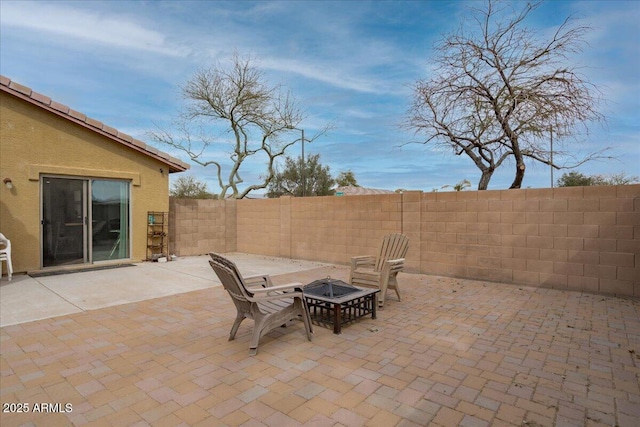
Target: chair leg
{"points": [[305, 317], [258, 327], [239, 318], [9, 267], [393, 284], [384, 285]]}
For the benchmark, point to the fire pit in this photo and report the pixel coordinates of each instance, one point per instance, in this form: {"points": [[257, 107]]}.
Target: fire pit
{"points": [[335, 303], [329, 288]]}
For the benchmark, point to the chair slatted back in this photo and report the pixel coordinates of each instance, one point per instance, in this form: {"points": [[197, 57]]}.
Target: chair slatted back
{"points": [[231, 280], [5, 244], [394, 246]]}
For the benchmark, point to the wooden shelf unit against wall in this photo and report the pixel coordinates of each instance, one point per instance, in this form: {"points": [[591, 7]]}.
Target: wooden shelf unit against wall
{"points": [[157, 235]]}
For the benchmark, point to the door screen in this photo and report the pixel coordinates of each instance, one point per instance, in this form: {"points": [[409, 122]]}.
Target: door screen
{"points": [[63, 221]]}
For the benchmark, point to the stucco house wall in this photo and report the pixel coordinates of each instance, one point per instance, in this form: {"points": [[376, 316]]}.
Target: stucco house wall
{"points": [[39, 136]]}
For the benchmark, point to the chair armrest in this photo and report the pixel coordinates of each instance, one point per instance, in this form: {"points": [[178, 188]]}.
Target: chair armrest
{"points": [[393, 265], [277, 292], [290, 286], [262, 280], [361, 261], [279, 296]]}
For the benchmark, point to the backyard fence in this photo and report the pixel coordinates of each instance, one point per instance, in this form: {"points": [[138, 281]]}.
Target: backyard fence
{"points": [[578, 238]]}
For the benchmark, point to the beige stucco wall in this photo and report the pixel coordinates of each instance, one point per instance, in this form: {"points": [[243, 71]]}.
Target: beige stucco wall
{"points": [[34, 141], [577, 238]]}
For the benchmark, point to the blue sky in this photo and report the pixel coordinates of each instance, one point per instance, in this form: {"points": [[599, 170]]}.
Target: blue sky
{"points": [[350, 64]]}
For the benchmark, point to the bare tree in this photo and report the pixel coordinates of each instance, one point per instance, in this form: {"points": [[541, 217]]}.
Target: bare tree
{"points": [[499, 92], [256, 115]]}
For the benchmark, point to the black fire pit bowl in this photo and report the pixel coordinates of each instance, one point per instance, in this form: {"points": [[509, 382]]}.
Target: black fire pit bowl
{"points": [[329, 288]]}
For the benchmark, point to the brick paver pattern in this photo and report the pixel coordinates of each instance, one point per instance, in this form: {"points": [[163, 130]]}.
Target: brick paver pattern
{"points": [[453, 352]]}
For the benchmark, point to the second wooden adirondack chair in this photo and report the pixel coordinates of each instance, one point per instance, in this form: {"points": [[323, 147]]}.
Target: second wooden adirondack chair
{"points": [[381, 271]]}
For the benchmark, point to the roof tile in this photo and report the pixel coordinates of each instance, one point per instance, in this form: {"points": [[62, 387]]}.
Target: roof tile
{"points": [[60, 107], [93, 122], [138, 143], [175, 160], [125, 137], [41, 98], [110, 130], [20, 88], [77, 114]]}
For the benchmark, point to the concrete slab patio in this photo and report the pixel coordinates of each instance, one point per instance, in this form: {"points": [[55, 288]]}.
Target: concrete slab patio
{"points": [[453, 352], [26, 298]]}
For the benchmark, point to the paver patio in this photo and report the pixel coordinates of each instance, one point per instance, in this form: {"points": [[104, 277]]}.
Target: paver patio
{"points": [[453, 352]]}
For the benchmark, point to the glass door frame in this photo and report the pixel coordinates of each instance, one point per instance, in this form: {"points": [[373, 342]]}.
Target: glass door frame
{"points": [[121, 234], [63, 209], [87, 215]]}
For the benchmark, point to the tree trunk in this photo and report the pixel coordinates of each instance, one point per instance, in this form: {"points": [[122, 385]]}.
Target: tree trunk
{"points": [[520, 168], [485, 178]]}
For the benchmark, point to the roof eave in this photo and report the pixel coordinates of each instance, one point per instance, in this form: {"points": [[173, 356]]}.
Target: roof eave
{"points": [[7, 85]]}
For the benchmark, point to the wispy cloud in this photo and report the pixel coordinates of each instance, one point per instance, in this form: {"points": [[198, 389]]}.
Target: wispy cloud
{"points": [[326, 74], [118, 31]]}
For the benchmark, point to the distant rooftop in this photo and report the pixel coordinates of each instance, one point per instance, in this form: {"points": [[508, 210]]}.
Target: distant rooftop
{"points": [[25, 93], [361, 191]]}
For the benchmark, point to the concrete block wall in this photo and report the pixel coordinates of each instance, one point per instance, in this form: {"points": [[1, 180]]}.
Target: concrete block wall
{"points": [[258, 226], [333, 229], [329, 229], [579, 238], [197, 227]]}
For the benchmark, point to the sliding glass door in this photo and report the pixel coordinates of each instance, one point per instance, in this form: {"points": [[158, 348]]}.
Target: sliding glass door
{"points": [[110, 220], [84, 220], [64, 213]]}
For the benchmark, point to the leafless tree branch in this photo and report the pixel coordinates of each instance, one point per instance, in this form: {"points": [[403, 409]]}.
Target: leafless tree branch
{"points": [[498, 92], [257, 117]]}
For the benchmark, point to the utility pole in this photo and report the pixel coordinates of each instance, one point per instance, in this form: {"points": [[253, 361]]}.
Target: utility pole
{"points": [[304, 164], [551, 155]]}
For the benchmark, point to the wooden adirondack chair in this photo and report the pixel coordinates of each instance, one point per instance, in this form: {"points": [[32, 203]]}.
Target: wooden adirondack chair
{"points": [[381, 271], [256, 298]]}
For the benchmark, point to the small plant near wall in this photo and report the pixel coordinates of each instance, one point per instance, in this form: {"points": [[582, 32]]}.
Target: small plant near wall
{"points": [[465, 183]]}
